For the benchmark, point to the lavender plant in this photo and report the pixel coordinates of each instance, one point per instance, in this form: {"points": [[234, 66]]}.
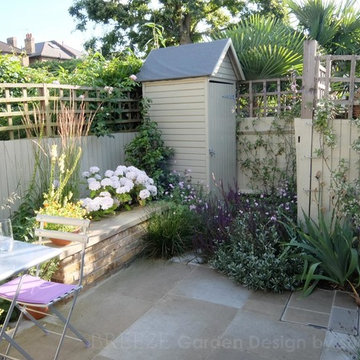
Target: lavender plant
{"points": [[218, 213]]}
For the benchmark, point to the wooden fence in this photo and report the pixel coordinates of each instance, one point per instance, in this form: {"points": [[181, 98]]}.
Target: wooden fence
{"points": [[325, 77], [117, 111], [17, 159], [333, 78]]}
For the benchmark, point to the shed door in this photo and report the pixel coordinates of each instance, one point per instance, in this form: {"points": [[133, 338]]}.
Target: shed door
{"points": [[222, 133]]}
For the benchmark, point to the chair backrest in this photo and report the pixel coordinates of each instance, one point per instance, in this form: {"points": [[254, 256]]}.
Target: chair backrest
{"points": [[81, 236]]}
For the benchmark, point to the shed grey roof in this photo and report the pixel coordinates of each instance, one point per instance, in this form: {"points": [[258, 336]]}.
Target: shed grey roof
{"points": [[55, 50], [191, 60]]}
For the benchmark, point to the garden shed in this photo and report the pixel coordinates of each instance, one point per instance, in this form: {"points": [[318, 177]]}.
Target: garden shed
{"points": [[192, 89]]}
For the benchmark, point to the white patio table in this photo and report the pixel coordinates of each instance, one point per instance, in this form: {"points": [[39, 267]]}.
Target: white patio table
{"points": [[21, 258]]}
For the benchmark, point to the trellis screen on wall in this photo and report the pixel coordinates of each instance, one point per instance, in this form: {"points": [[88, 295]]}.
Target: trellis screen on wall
{"points": [[268, 97], [340, 82]]}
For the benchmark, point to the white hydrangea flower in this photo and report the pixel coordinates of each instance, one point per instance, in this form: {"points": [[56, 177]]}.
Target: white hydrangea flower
{"points": [[106, 202], [105, 193], [144, 194], [109, 173], [114, 178], [85, 174], [151, 181], [97, 176], [91, 179], [106, 182], [85, 202], [94, 170], [91, 204], [152, 189], [131, 175], [122, 190], [120, 170], [94, 204], [130, 185], [115, 183], [132, 169], [126, 182], [94, 185], [141, 179], [123, 180]]}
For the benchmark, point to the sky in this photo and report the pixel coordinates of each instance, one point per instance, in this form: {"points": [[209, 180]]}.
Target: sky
{"points": [[46, 20]]}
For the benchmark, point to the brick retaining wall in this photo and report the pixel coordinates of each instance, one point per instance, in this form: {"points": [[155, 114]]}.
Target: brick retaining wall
{"points": [[114, 242]]}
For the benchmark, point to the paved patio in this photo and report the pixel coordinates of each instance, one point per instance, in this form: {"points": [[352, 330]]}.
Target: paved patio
{"points": [[176, 310]]}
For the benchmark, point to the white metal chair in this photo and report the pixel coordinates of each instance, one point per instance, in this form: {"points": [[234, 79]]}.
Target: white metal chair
{"points": [[36, 292]]}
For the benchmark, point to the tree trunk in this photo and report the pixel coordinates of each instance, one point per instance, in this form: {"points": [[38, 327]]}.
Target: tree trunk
{"points": [[185, 26]]}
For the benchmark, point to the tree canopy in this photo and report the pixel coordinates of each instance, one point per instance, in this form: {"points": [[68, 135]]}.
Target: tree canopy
{"points": [[136, 23]]}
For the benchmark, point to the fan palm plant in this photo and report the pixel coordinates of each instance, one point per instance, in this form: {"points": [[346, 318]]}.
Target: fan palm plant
{"points": [[334, 24], [266, 47]]}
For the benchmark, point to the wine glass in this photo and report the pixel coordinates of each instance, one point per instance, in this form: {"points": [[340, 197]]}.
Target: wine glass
{"points": [[6, 236]]}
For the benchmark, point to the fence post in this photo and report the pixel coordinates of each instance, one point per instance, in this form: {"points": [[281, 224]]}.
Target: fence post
{"points": [[309, 78], [9, 110], [303, 130], [45, 108]]}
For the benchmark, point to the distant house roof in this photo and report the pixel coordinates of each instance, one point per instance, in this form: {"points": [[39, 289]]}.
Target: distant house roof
{"points": [[8, 49], [55, 50], [191, 60]]}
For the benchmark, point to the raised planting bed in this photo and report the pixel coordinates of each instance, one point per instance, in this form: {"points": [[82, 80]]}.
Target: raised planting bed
{"points": [[114, 242]]}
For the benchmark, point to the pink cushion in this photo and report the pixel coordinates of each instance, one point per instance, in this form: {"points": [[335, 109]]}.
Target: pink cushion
{"points": [[34, 290]]}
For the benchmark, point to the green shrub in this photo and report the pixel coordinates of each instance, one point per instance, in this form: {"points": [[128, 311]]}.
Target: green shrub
{"points": [[170, 232], [148, 152], [257, 259], [91, 70]]}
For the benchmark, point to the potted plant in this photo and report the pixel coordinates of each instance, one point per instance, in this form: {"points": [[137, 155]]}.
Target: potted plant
{"points": [[57, 203], [66, 208]]}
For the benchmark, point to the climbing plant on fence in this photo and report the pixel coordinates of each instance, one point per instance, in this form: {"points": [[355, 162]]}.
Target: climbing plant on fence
{"points": [[266, 152]]}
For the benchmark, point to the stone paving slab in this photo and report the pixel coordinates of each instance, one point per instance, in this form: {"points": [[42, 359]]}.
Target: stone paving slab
{"points": [[345, 300], [175, 325], [166, 310], [338, 346], [207, 285], [43, 347], [148, 280], [306, 317], [311, 310], [269, 304], [269, 339], [344, 320], [320, 301]]}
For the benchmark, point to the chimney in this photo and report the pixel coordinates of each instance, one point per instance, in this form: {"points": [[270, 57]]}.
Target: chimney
{"points": [[12, 42], [29, 44]]}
